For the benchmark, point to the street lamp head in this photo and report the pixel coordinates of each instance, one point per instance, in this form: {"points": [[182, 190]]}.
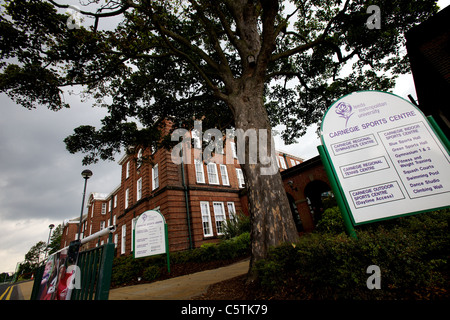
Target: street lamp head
{"points": [[51, 226], [86, 174]]}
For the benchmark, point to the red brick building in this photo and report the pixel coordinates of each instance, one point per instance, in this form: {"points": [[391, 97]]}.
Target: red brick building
{"points": [[195, 198]]}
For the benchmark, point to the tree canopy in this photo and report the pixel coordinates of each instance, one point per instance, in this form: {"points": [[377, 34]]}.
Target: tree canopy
{"points": [[247, 64], [186, 58]]}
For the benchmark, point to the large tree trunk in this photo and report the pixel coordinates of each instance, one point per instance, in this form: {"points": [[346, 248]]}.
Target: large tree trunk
{"points": [[270, 213]]}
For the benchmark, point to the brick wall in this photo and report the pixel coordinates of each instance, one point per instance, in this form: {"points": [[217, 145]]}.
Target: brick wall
{"points": [[218, 192]]}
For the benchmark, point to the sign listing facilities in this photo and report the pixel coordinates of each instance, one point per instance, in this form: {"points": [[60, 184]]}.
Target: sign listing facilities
{"points": [[385, 156], [150, 236]]}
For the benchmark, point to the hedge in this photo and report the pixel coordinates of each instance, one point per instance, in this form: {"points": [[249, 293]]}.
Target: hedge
{"points": [[412, 253]]}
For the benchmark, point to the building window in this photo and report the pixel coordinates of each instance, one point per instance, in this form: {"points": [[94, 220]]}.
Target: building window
{"points": [[124, 238], [231, 210], [293, 163], [196, 138], [110, 205], [199, 173], [213, 178], [104, 208], [224, 175], [139, 189], [139, 159], [127, 194], [102, 225], [116, 239], [155, 177], [115, 201], [206, 219], [233, 149], [240, 177], [282, 162], [219, 216], [127, 171]]}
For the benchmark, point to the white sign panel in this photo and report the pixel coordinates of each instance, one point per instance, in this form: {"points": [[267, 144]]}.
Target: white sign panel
{"points": [[387, 159], [149, 234]]}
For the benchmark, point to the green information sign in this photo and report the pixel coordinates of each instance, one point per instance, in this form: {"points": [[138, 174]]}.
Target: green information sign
{"points": [[151, 236], [384, 157]]}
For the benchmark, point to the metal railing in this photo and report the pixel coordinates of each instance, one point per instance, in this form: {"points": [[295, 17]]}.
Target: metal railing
{"points": [[95, 267]]}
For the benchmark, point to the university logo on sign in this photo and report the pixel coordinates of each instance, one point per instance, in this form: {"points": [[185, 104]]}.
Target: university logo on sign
{"points": [[386, 158]]}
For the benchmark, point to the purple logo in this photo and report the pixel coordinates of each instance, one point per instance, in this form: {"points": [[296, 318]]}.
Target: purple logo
{"points": [[344, 110]]}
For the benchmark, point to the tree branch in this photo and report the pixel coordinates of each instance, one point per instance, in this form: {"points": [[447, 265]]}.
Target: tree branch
{"points": [[213, 38], [126, 4], [297, 49]]}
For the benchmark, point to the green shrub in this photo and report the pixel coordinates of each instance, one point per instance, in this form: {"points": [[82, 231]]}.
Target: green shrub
{"points": [[151, 273], [124, 270], [235, 227], [331, 221], [413, 255]]}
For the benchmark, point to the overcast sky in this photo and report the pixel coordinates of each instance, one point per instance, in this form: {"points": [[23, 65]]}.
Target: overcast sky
{"points": [[40, 182]]}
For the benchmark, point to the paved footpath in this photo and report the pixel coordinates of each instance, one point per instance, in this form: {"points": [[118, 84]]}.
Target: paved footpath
{"points": [[180, 288]]}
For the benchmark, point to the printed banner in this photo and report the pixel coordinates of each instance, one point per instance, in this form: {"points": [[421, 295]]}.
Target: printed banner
{"points": [[59, 275]]}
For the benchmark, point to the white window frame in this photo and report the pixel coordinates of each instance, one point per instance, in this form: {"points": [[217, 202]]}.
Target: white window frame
{"points": [[115, 201], [155, 177], [102, 225], [233, 149], [240, 178], [293, 163], [231, 211], [219, 216], [224, 175], [282, 162], [127, 170], [127, 195], [206, 219], [110, 205], [139, 159], [123, 239], [199, 172], [213, 177], [196, 139], [139, 189], [104, 208]]}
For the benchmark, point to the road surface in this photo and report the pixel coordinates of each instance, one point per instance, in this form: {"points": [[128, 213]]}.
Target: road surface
{"points": [[8, 292]]}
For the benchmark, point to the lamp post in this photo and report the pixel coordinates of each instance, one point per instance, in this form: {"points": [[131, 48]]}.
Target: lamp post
{"points": [[86, 174], [48, 241]]}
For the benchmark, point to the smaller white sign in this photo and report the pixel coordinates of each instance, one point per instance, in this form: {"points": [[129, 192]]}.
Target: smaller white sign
{"points": [[149, 234]]}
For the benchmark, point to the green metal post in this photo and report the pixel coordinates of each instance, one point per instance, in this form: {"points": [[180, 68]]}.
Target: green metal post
{"points": [[104, 278], [39, 272], [167, 247], [434, 125], [337, 192]]}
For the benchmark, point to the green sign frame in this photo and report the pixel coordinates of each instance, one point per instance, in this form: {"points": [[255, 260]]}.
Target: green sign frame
{"points": [[147, 225], [341, 112]]}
